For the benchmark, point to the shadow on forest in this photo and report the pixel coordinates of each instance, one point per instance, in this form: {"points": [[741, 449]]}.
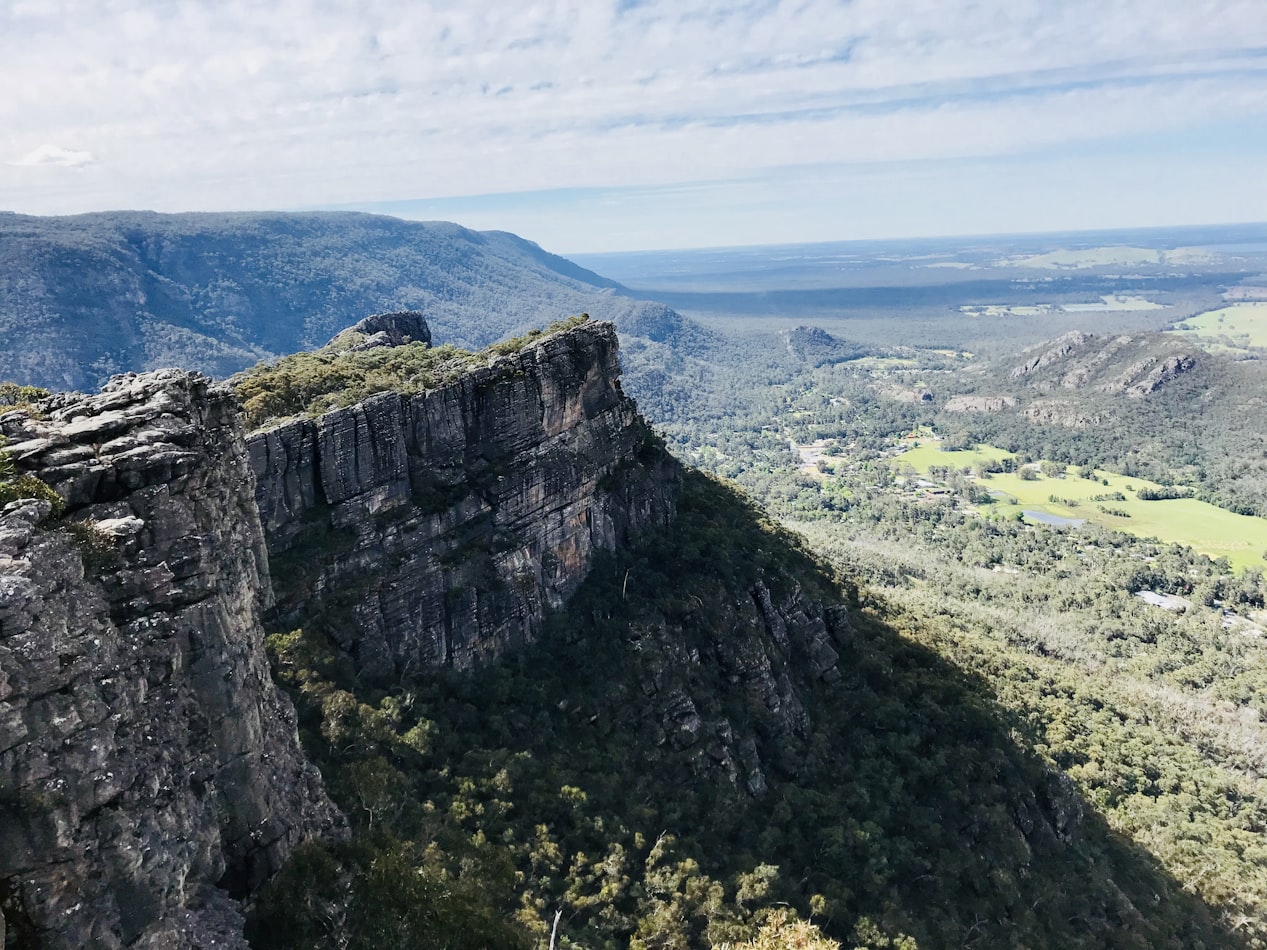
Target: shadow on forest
{"points": [[907, 801]]}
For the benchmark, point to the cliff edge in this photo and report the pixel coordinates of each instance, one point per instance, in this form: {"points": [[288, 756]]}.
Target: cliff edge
{"points": [[439, 528], [150, 771]]}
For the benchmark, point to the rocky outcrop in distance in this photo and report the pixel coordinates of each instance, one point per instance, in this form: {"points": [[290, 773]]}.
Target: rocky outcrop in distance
{"points": [[1053, 352], [817, 347], [438, 529], [388, 329], [978, 403], [1134, 366], [150, 771]]}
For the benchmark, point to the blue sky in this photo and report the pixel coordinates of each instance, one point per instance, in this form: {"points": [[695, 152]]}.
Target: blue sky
{"points": [[597, 126]]}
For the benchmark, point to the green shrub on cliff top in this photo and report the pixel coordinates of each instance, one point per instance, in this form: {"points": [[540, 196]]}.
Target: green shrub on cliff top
{"points": [[14, 486], [316, 381], [16, 395]]}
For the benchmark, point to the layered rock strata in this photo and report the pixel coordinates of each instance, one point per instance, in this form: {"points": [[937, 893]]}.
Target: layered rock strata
{"points": [[149, 769], [437, 529]]}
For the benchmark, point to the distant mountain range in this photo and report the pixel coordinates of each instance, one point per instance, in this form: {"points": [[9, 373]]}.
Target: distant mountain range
{"points": [[84, 297]]}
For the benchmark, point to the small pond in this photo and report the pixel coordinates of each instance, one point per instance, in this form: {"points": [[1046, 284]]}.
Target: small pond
{"points": [[1044, 518]]}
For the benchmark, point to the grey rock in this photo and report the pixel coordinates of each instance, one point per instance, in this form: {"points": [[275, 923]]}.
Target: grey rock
{"points": [[979, 403], [390, 329], [439, 529], [150, 771], [1055, 351], [763, 655]]}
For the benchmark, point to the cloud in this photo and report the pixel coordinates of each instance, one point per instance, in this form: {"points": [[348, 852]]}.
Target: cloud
{"points": [[212, 104], [55, 156]]}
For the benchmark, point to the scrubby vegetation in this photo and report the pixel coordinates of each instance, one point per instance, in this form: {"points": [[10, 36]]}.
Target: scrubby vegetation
{"points": [[337, 375], [15, 485]]}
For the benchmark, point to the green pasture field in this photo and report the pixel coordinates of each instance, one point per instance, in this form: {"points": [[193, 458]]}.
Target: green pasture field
{"points": [[1241, 323], [1211, 530]]}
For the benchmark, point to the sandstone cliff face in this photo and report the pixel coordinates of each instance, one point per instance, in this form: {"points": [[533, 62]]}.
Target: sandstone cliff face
{"points": [[149, 769], [438, 529]]}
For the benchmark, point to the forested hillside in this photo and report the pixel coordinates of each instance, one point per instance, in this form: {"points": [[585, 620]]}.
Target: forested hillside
{"points": [[674, 766], [1155, 405], [87, 296], [1134, 666]]}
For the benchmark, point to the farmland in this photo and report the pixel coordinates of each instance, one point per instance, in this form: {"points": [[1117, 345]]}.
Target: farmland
{"points": [[1107, 499], [1242, 325]]}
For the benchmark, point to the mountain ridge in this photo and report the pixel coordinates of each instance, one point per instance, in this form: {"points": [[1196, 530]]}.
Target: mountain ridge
{"points": [[708, 665], [83, 297]]}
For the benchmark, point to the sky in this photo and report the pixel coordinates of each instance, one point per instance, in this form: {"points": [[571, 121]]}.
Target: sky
{"points": [[589, 125]]}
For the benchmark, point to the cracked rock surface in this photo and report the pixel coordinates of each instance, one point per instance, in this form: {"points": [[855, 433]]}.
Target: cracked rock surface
{"points": [[438, 529], [150, 772]]}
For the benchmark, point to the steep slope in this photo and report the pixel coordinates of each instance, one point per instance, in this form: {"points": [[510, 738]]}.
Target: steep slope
{"points": [[86, 296], [149, 769], [442, 526], [708, 733]]}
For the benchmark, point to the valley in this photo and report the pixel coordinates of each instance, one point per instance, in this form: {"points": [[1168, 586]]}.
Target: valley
{"points": [[1056, 618], [1045, 491], [924, 609]]}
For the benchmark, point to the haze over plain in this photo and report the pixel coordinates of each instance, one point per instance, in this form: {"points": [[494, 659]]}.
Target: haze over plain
{"points": [[621, 125]]}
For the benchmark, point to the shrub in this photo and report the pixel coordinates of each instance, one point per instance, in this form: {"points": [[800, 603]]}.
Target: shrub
{"points": [[324, 379], [15, 486]]}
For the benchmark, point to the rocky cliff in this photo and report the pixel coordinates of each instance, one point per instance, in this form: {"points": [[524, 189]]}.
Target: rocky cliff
{"points": [[149, 769], [437, 529]]}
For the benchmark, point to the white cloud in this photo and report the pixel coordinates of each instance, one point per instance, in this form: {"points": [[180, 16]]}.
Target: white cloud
{"points": [[55, 155], [230, 103]]}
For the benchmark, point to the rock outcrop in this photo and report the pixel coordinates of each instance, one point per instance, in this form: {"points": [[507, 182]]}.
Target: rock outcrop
{"points": [[1151, 374], [725, 694], [150, 771], [387, 329], [1134, 366], [1056, 351], [978, 403], [437, 529]]}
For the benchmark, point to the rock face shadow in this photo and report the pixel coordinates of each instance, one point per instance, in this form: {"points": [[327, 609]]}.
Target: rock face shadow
{"points": [[711, 682]]}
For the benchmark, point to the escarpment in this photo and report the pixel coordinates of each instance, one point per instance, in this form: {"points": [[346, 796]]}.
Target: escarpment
{"points": [[439, 528], [150, 772], [149, 769]]}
